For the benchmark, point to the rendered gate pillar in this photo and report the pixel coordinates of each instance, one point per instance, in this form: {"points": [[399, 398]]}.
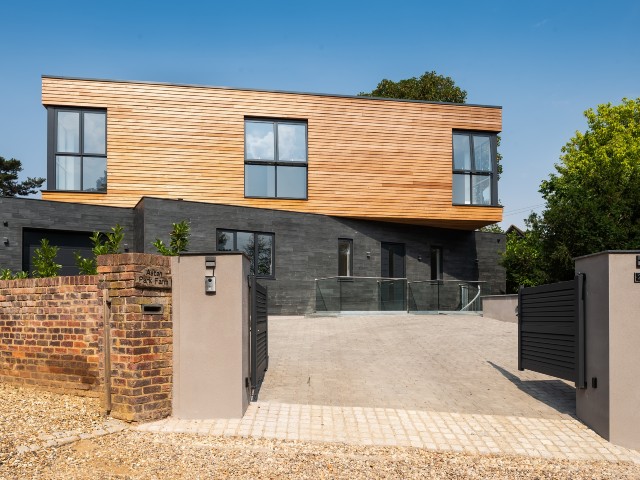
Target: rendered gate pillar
{"points": [[211, 335], [610, 404]]}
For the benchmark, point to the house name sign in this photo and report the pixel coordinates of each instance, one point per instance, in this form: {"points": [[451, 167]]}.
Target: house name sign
{"points": [[153, 277]]}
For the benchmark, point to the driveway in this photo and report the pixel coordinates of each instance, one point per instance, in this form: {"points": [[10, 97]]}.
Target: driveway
{"points": [[443, 363]]}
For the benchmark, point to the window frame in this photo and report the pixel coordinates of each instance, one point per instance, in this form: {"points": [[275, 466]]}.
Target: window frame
{"points": [[350, 258], [276, 162], [473, 171], [53, 152], [235, 231]]}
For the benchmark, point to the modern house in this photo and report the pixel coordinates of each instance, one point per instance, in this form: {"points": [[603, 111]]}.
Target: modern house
{"points": [[314, 188]]}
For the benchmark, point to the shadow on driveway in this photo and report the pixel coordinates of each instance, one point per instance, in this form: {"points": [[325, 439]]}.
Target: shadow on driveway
{"points": [[555, 393]]}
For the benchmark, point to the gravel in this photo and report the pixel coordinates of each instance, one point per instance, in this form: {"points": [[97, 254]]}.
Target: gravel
{"points": [[33, 417], [139, 455]]}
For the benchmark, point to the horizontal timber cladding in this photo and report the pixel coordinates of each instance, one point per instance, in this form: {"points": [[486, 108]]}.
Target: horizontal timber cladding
{"points": [[551, 330], [368, 159]]}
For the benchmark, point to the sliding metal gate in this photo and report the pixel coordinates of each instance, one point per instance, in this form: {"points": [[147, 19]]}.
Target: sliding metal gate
{"points": [[258, 332], [551, 332]]}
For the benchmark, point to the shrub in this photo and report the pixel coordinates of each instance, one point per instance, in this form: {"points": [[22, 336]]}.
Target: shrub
{"points": [[179, 239], [44, 260]]}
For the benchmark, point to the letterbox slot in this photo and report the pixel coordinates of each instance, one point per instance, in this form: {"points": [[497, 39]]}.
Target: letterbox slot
{"points": [[152, 309]]}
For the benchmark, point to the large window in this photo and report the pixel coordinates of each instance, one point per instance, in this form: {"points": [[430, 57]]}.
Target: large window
{"points": [[258, 247], [474, 169], [345, 257], [275, 159], [77, 150]]}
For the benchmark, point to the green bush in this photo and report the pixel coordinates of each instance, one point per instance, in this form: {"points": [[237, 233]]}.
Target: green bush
{"points": [[103, 244], [44, 260], [179, 240], [7, 274]]}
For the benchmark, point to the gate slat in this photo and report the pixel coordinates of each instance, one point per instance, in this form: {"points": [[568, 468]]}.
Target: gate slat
{"points": [[551, 330]]}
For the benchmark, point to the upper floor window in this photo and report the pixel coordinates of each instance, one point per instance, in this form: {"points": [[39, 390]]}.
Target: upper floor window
{"points": [[77, 150], [257, 245], [474, 169], [275, 159]]}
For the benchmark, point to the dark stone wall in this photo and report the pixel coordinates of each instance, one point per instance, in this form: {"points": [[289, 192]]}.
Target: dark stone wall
{"points": [[20, 213], [306, 247]]}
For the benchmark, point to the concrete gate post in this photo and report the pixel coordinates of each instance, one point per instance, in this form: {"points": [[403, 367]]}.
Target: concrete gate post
{"points": [[211, 335], [610, 404]]}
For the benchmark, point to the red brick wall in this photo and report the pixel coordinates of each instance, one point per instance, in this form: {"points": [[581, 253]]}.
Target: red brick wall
{"points": [[52, 336], [141, 344], [49, 333]]}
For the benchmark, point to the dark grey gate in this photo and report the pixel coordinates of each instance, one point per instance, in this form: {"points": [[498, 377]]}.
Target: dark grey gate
{"points": [[258, 333], [551, 333]]}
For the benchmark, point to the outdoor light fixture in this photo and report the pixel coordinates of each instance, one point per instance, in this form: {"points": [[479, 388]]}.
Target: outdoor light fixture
{"points": [[368, 254], [419, 258], [5, 223], [6, 241]]}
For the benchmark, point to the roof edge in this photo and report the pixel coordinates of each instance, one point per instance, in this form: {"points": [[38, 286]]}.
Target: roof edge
{"points": [[146, 82]]}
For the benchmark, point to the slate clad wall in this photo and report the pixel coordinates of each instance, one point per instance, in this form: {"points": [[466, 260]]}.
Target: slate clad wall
{"points": [[306, 246], [21, 213]]}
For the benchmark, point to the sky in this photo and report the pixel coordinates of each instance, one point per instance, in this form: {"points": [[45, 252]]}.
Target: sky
{"points": [[544, 62]]}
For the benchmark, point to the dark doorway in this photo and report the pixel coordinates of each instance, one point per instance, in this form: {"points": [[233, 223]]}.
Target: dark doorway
{"points": [[67, 242], [392, 266]]}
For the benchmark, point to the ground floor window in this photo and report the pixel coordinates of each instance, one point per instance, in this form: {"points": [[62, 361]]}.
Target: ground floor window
{"points": [[258, 246], [436, 263], [345, 257]]}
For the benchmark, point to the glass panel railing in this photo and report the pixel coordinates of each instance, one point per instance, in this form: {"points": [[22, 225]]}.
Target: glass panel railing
{"points": [[445, 296], [361, 294]]}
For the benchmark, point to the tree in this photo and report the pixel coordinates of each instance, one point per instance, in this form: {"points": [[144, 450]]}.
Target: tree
{"points": [[593, 199], [430, 86], [9, 185], [44, 259]]}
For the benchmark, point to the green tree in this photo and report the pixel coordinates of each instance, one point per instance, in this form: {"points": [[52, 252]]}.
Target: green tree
{"points": [[593, 199], [179, 239], [429, 86], [44, 259], [9, 185], [524, 259]]}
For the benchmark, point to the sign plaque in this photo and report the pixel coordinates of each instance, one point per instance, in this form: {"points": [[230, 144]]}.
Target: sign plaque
{"points": [[153, 277], [636, 277]]}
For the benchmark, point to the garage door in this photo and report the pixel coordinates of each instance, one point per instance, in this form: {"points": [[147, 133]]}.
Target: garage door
{"points": [[67, 242]]}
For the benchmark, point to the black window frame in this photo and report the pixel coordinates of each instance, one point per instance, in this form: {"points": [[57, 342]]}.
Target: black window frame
{"points": [[52, 150], [350, 259], [493, 173], [235, 231], [275, 162]]}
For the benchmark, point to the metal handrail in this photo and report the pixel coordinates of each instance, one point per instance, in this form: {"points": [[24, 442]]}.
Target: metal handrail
{"points": [[351, 276], [446, 281], [472, 301]]}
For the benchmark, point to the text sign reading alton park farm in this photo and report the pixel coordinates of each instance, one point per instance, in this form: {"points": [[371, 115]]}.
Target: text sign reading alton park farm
{"points": [[153, 277]]}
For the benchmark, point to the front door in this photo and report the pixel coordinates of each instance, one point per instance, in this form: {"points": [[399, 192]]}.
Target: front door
{"points": [[392, 267]]}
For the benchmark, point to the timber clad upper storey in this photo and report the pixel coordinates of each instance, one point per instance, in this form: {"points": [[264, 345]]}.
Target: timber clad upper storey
{"points": [[397, 161]]}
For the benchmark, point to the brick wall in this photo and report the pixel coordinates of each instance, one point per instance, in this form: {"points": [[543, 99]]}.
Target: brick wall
{"points": [[141, 344], [50, 333], [52, 336]]}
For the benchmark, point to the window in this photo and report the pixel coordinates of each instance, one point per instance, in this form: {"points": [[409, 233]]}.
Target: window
{"points": [[255, 244], [436, 263], [345, 257], [474, 169], [77, 150], [275, 157]]}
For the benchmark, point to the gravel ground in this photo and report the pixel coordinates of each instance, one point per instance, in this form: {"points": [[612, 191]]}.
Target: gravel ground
{"points": [[138, 455], [30, 417]]}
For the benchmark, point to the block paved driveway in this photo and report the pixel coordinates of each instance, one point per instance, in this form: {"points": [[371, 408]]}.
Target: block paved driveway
{"points": [[440, 382], [446, 363]]}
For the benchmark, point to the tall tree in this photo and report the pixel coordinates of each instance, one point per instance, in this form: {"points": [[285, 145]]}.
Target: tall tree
{"points": [[429, 86], [9, 185], [593, 199]]}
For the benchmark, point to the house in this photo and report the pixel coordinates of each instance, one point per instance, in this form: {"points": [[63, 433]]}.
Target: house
{"points": [[310, 186]]}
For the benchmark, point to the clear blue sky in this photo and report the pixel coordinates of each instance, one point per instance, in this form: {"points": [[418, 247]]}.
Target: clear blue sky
{"points": [[544, 62]]}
